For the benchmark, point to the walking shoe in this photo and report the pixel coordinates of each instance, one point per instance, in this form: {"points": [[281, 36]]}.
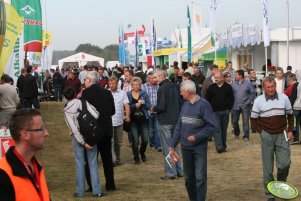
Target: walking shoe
{"points": [[294, 143], [99, 195], [180, 175], [168, 177], [143, 158]]}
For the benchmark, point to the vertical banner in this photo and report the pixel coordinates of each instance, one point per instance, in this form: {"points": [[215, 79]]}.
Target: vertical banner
{"points": [[122, 53], [189, 53], [266, 33], [2, 23], [16, 61], [136, 48], [32, 13], [154, 42], [46, 38], [13, 30], [196, 21]]}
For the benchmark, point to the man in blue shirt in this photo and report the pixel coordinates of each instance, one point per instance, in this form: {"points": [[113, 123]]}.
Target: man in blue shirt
{"points": [[244, 94], [195, 125]]}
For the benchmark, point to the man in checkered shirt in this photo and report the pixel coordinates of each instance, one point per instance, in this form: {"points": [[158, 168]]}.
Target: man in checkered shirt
{"points": [[257, 83]]}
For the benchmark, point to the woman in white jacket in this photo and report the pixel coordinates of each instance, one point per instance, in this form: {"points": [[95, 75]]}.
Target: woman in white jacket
{"points": [[79, 145]]}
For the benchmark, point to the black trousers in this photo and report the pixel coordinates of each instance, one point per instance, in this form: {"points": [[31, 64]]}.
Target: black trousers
{"points": [[105, 150]]}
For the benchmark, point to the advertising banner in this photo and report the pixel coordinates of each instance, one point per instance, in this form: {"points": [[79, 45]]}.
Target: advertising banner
{"points": [[13, 30], [2, 23], [31, 11]]}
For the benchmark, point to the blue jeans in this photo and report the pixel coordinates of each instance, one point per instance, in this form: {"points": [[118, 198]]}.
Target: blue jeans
{"points": [[136, 130], [58, 93], [220, 134], [195, 173], [245, 111], [154, 136], [80, 168], [166, 133]]}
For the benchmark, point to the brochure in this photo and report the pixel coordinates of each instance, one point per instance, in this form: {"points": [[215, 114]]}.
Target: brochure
{"points": [[172, 158]]}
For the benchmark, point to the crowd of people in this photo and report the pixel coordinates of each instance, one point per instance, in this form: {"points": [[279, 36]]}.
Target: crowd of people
{"points": [[160, 107]]}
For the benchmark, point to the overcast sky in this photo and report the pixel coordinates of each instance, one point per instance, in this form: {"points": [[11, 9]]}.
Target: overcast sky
{"points": [[75, 22]]}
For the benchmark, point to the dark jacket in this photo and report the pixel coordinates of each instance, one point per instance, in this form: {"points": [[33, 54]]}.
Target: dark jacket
{"points": [[30, 86], [145, 107], [20, 84], [168, 107], [103, 101]]}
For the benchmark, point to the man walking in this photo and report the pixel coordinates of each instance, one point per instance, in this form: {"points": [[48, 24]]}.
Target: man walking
{"points": [[244, 94], [195, 126], [121, 103], [272, 117], [103, 101], [221, 98], [168, 111]]}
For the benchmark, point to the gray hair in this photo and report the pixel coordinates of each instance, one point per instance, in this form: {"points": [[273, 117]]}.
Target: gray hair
{"points": [[160, 72], [92, 75], [268, 79], [188, 85]]}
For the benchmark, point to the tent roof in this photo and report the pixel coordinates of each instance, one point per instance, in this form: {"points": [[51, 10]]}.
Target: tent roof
{"points": [[81, 56]]}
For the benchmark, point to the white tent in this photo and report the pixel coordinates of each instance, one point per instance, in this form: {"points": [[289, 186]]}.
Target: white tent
{"points": [[80, 59]]}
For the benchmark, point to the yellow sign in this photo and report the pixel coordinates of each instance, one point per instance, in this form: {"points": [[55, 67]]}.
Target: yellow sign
{"points": [[162, 52], [46, 38], [2, 23], [13, 30]]}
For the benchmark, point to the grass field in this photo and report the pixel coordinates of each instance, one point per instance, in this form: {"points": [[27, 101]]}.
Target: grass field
{"points": [[232, 176]]}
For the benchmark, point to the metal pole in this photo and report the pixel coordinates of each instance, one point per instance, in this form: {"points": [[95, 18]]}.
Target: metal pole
{"points": [[266, 60], [287, 29]]}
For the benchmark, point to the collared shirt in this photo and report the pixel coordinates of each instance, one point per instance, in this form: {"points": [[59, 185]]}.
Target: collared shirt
{"points": [[120, 98], [194, 99], [271, 97], [151, 91], [244, 93]]}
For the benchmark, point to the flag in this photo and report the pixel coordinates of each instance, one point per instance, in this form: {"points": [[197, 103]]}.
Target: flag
{"points": [[196, 22], [122, 53], [12, 32], [214, 7], [46, 38], [154, 41], [2, 23], [136, 48], [189, 52], [266, 34], [180, 38], [32, 13]]}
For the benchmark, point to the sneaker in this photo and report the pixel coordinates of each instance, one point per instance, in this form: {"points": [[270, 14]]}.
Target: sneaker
{"points": [[294, 143], [99, 195], [168, 177]]}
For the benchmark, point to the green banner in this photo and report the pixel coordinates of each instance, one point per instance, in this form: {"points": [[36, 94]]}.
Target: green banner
{"points": [[31, 11]]}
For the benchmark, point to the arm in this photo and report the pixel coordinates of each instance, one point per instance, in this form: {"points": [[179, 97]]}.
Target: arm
{"points": [[252, 94], [177, 134], [7, 191], [231, 97], [290, 116], [147, 104], [294, 93], [161, 101], [127, 112], [255, 114], [70, 120]]}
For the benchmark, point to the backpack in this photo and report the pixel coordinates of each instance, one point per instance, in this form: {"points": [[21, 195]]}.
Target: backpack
{"points": [[89, 126]]}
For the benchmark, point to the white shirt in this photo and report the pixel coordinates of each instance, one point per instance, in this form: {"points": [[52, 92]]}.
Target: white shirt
{"points": [[120, 98], [279, 85]]}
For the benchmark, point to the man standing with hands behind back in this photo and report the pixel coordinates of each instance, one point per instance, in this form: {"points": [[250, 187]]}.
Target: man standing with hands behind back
{"points": [[270, 113]]}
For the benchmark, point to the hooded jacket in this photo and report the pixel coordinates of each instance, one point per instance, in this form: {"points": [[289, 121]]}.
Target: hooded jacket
{"points": [[71, 115]]}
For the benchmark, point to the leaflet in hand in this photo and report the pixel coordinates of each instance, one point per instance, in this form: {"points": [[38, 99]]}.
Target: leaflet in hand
{"points": [[172, 158]]}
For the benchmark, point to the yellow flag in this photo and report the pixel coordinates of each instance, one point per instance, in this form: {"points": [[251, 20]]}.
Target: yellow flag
{"points": [[46, 38], [13, 30], [2, 23]]}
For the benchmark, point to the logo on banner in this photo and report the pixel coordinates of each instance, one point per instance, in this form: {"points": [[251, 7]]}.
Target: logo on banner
{"points": [[28, 10]]}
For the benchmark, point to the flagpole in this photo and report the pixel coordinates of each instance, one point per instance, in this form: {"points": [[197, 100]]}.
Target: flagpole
{"points": [[287, 34], [266, 60]]}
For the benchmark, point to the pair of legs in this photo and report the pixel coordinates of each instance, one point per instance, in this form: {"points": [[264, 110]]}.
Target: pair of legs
{"points": [[138, 128], [220, 135], [116, 143], [245, 111], [274, 145], [195, 173], [166, 133], [154, 136], [79, 153]]}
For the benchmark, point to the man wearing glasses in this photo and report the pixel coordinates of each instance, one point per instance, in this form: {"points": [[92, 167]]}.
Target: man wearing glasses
{"points": [[21, 175]]}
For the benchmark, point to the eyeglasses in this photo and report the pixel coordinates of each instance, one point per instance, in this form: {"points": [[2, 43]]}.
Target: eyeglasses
{"points": [[37, 130]]}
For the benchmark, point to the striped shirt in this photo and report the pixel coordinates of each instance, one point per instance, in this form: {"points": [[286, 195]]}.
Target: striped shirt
{"points": [[151, 91], [120, 98], [270, 115]]}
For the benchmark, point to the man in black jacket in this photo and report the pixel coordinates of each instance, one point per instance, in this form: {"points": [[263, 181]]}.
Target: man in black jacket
{"points": [[30, 89], [103, 101], [168, 112]]}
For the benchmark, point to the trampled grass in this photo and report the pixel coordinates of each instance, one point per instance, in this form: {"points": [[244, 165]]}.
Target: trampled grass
{"points": [[232, 176]]}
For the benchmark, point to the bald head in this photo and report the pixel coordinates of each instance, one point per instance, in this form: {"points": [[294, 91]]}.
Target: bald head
{"points": [[219, 78]]}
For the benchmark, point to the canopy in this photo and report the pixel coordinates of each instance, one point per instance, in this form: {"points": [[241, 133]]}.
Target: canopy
{"points": [[80, 59]]}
